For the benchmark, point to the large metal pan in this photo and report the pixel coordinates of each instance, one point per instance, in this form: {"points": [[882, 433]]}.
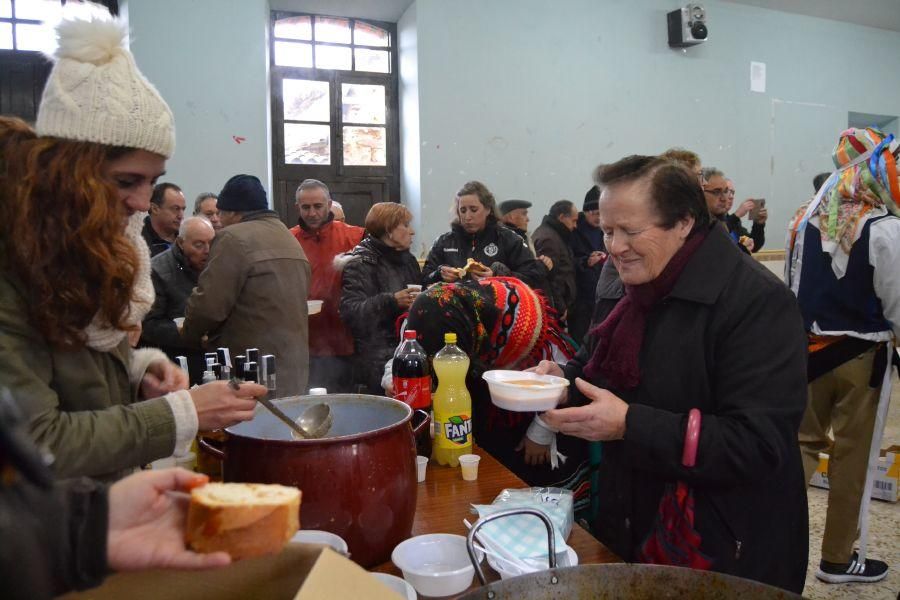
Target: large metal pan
{"points": [[616, 581]]}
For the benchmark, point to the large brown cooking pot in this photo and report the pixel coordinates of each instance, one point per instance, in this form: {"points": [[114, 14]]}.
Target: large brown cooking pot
{"points": [[359, 482]]}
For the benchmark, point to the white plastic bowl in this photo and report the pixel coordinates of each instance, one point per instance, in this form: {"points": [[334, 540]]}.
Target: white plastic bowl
{"points": [[436, 564], [314, 307], [525, 398], [398, 585], [326, 538]]}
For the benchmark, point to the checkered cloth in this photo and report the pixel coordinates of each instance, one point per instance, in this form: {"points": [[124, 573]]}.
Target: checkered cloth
{"points": [[524, 536]]}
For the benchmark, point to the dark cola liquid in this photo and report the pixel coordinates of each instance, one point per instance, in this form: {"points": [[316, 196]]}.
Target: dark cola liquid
{"points": [[412, 385]]}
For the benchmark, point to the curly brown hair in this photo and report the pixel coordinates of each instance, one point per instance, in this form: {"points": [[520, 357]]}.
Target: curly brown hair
{"points": [[61, 232]]}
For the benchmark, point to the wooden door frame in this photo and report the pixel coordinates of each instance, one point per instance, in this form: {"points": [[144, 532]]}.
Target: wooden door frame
{"points": [[388, 176]]}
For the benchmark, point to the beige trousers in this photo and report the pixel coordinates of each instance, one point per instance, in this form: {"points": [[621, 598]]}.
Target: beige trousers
{"points": [[842, 400]]}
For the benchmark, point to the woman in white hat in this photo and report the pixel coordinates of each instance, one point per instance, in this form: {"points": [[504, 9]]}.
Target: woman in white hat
{"points": [[74, 270]]}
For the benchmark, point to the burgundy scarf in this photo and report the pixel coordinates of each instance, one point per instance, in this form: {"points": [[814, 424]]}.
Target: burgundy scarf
{"points": [[623, 328]]}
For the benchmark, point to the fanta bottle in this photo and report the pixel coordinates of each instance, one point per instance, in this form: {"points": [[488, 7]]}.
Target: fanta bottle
{"points": [[452, 404]]}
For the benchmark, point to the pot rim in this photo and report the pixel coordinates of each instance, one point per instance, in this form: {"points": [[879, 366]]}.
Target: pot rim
{"points": [[330, 440]]}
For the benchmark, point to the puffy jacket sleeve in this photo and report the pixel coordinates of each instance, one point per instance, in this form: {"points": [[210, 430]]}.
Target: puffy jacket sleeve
{"points": [[158, 329], [217, 289], [521, 261], [84, 442], [758, 234], [431, 273], [760, 387], [363, 306]]}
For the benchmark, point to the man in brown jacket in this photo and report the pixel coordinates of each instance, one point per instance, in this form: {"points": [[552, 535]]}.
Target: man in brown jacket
{"points": [[254, 289]]}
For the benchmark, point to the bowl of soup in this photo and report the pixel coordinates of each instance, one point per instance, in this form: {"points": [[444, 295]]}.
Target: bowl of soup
{"points": [[523, 391]]}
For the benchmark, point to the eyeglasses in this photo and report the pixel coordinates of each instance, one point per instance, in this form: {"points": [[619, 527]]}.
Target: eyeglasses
{"points": [[729, 192], [719, 192]]}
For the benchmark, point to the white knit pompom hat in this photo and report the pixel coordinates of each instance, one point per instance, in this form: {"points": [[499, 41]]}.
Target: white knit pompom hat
{"points": [[96, 93]]}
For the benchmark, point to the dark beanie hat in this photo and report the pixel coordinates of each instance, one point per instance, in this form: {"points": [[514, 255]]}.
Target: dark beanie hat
{"points": [[242, 193], [591, 199]]}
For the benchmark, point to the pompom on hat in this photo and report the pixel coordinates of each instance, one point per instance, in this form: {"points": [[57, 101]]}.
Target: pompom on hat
{"points": [[96, 93]]}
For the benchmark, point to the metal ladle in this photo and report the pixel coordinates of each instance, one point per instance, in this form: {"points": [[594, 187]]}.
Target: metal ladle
{"points": [[316, 420], [313, 423]]}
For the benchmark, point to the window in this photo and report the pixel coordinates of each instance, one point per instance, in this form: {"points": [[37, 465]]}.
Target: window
{"points": [[334, 96], [27, 25], [23, 27]]}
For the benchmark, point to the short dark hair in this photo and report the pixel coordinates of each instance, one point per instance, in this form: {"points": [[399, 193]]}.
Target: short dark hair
{"points": [[159, 192], [560, 208], [674, 190], [819, 179]]}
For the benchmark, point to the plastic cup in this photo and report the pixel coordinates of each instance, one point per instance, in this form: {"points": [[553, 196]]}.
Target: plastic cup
{"points": [[421, 464], [414, 287], [469, 465]]}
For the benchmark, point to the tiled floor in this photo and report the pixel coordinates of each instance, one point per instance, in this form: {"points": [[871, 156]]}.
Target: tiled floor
{"points": [[884, 542]]}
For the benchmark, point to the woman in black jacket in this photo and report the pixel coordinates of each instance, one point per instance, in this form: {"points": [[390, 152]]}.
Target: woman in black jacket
{"points": [[672, 338], [376, 289], [477, 234]]}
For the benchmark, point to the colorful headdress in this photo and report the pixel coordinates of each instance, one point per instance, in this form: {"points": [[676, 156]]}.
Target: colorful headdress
{"points": [[865, 185]]}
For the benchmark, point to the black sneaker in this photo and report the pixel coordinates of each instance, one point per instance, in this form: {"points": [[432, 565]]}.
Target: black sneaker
{"points": [[853, 571]]}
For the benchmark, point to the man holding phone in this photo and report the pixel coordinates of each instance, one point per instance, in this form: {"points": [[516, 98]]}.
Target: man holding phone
{"points": [[756, 210]]}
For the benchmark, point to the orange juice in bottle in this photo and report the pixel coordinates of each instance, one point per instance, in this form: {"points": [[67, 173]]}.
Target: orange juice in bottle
{"points": [[452, 404]]}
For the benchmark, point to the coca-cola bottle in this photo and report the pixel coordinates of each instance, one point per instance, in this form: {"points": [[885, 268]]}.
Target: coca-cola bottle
{"points": [[411, 373], [412, 384]]}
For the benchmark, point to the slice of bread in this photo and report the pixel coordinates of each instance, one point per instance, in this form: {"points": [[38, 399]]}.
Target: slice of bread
{"points": [[242, 519]]}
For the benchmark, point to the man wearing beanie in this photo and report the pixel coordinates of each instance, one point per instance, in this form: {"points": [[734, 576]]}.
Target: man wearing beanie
{"points": [[254, 289], [323, 238], [590, 254]]}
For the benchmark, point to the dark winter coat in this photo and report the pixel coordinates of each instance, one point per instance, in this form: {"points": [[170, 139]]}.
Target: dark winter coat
{"points": [[757, 232], [53, 535], [155, 242], [552, 239], [173, 281], [373, 273], [493, 244], [253, 294], [585, 240], [748, 483]]}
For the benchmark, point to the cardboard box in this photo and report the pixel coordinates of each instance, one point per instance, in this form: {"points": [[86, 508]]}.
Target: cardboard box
{"points": [[299, 572], [887, 476]]}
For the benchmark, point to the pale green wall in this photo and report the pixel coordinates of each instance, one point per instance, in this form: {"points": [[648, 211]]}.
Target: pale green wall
{"points": [[529, 96], [209, 60]]}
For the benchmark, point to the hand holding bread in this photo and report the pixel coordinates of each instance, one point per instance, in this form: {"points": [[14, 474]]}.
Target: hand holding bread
{"points": [[146, 523], [242, 519]]}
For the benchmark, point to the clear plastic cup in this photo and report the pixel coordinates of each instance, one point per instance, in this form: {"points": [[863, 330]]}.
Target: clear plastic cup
{"points": [[469, 465], [421, 464], [414, 287]]}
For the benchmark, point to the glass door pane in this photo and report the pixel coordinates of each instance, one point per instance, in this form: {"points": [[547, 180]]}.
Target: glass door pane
{"points": [[307, 144], [306, 100], [362, 103], [365, 146]]}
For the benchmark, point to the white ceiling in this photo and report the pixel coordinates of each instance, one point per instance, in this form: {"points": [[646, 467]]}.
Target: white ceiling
{"points": [[376, 10], [884, 14]]}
